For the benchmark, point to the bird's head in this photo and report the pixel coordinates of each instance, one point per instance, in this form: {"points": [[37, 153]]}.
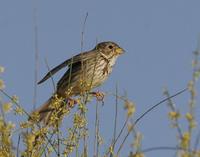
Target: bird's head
{"points": [[109, 48]]}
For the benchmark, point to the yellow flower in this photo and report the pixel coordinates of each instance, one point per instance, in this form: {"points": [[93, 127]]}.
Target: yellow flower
{"points": [[29, 140], [19, 111], [78, 100], [130, 127], [56, 102], [174, 115], [196, 75], [15, 99], [2, 85], [100, 140], [35, 116], [111, 150], [10, 125], [79, 121], [186, 154], [7, 107], [69, 149], [191, 88], [130, 107], [191, 120], [193, 124], [82, 107], [138, 155], [49, 149], [68, 92], [6, 131], [137, 140], [190, 85], [41, 131], [25, 125], [54, 119], [189, 117], [185, 140], [1, 124], [5, 153], [197, 153], [1, 69]]}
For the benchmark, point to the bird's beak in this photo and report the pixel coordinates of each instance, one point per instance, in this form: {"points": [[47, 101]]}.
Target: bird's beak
{"points": [[120, 51]]}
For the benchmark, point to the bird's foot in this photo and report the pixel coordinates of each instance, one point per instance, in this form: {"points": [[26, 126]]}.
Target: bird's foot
{"points": [[99, 95], [71, 102]]}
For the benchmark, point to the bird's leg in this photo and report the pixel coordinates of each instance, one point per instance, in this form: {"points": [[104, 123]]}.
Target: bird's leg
{"points": [[99, 95], [70, 102]]}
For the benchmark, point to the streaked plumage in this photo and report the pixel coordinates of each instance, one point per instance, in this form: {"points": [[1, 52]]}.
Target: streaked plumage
{"points": [[86, 71]]}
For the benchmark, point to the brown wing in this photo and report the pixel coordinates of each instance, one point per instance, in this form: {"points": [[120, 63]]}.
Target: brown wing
{"points": [[70, 78], [78, 58]]}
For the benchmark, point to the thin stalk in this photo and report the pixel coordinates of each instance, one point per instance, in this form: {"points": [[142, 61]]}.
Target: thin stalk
{"points": [[115, 123], [145, 113], [18, 142], [82, 69], [98, 144], [49, 141], [121, 131], [197, 142], [48, 68], [96, 129], [1, 109], [162, 148], [36, 57], [173, 108], [58, 139]]}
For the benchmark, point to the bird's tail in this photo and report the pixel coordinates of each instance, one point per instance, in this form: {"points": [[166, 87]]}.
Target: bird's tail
{"points": [[53, 110], [45, 111]]}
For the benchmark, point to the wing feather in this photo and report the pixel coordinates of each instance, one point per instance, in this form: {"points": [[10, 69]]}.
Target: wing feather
{"points": [[78, 58]]}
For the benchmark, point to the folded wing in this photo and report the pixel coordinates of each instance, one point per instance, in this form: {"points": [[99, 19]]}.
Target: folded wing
{"points": [[78, 58]]}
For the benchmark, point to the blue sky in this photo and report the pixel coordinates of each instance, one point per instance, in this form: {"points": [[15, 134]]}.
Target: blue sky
{"points": [[159, 37]]}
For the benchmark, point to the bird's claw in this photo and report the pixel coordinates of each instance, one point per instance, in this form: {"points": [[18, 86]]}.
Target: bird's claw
{"points": [[71, 102], [99, 95]]}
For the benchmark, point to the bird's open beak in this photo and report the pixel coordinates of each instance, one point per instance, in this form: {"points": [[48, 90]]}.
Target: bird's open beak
{"points": [[120, 51]]}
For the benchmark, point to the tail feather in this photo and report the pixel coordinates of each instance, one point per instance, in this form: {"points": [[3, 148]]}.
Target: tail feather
{"points": [[48, 109], [44, 111]]}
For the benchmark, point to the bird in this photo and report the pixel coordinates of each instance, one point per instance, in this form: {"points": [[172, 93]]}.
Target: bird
{"points": [[86, 71]]}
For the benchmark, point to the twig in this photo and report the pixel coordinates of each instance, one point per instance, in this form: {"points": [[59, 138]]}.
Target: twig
{"points": [[48, 68], [145, 113], [116, 111], [83, 31], [197, 141], [192, 91], [122, 129], [70, 72], [150, 109], [96, 129], [27, 115], [58, 138], [2, 91], [173, 108], [18, 142], [1, 109], [45, 146], [163, 148], [82, 41], [120, 133], [36, 57], [97, 138]]}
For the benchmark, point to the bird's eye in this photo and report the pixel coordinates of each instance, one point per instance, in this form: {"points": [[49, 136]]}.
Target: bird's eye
{"points": [[110, 47]]}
